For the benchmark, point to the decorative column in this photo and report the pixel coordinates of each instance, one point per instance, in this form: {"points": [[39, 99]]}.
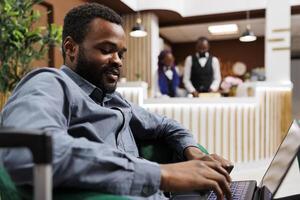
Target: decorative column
{"points": [[277, 41], [278, 54]]}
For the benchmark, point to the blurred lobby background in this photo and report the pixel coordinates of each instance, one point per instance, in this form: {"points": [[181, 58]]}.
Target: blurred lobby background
{"points": [[246, 127]]}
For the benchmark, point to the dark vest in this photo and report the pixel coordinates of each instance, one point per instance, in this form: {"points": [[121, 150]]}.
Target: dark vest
{"points": [[201, 77], [167, 86]]}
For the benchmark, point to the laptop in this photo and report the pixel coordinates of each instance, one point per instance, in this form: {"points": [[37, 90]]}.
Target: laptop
{"points": [[272, 179]]}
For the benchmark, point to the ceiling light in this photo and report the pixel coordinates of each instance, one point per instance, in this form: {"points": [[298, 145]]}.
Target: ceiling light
{"points": [[223, 29], [138, 29], [248, 35]]}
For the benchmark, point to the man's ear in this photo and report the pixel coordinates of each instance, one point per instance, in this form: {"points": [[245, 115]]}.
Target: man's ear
{"points": [[70, 48]]}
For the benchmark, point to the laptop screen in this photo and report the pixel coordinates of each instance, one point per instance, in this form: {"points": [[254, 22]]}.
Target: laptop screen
{"points": [[283, 159]]}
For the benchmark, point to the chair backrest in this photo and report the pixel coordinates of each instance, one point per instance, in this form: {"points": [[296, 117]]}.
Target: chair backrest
{"points": [[8, 190], [158, 151]]}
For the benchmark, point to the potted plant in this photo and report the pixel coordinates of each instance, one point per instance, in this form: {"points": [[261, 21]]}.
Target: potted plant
{"points": [[21, 41]]}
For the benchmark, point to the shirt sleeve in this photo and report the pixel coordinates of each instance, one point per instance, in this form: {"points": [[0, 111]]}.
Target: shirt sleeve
{"points": [[187, 75], [44, 102], [146, 125], [216, 75]]}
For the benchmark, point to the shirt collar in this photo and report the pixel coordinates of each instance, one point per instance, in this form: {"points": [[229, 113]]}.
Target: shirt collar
{"points": [[95, 93], [206, 55], [167, 67]]}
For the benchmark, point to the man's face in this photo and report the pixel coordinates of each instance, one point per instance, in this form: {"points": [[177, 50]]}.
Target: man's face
{"points": [[100, 54], [202, 46]]}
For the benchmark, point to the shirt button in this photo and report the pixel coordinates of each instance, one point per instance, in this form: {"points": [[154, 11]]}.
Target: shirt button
{"points": [[145, 190]]}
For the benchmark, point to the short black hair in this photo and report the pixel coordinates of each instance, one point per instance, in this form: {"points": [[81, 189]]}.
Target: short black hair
{"points": [[201, 39], [77, 19]]}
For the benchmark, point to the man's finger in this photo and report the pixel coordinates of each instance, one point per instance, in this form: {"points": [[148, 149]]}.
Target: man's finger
{"points": [[220, 180], [225, 163], [217, 166], [214, 186]]}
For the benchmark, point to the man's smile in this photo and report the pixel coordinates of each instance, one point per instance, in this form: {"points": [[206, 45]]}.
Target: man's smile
{"points": [[112, 75]]}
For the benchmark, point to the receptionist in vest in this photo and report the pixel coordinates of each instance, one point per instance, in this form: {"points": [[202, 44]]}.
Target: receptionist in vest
{"points": [[201, 70], [167, 78]]}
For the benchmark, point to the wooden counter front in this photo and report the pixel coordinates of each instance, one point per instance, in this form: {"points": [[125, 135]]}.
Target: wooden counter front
{"points": [[239, 128]]}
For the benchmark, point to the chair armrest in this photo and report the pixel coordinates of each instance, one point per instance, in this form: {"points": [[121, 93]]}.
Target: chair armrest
{"points": [[202, 149], [40, 146], [38, 142]]}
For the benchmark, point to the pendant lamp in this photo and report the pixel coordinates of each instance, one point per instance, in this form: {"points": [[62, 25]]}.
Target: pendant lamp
{"points": [[138, 29], [248, 35]]}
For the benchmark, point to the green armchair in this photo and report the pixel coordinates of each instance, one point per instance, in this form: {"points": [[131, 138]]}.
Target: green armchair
{"points": [[8, 191]]}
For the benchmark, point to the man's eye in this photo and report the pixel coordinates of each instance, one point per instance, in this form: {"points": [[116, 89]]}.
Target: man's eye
{"points": [[105, 51], [121, 55]]}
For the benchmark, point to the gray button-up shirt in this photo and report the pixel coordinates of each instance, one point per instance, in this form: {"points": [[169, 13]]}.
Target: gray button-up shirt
{"points": [[93, 134]]}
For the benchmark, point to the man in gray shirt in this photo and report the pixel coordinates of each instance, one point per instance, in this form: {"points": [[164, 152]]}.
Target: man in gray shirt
{"points": [[94, 129]]}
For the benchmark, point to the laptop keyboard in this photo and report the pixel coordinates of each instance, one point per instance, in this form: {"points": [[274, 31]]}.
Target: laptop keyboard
{"points": [[238, 190]]}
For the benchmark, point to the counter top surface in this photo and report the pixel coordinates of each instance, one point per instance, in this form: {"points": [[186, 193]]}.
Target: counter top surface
{"points": [[218, 100]]}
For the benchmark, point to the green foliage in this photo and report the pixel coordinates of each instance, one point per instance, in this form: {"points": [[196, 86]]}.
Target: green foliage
{"points": [[20, 41]]}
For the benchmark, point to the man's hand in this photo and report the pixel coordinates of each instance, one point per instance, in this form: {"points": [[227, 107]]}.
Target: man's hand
{"points": [[196, 175], [194, 153], [195, 94]]}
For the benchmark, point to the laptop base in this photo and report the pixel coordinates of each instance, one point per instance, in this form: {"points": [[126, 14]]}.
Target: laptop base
{"points": [[240, 190]]}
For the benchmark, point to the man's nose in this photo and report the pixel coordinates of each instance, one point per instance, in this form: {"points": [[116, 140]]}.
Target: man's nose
{"points": [[115, 59]]}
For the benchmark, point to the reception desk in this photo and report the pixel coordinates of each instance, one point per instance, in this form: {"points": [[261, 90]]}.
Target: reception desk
{"points": [[239, 128]]}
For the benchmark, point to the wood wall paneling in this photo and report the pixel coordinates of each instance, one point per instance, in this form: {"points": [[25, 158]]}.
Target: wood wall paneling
{"points": [[228, 52], [137, 62]]}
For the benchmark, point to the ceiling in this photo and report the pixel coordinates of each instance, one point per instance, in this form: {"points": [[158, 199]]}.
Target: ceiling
{"points": [[190, 33], [177, 29]]}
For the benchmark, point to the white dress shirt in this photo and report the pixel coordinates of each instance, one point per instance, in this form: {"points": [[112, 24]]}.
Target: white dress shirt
{"points": [[188, 68]]}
